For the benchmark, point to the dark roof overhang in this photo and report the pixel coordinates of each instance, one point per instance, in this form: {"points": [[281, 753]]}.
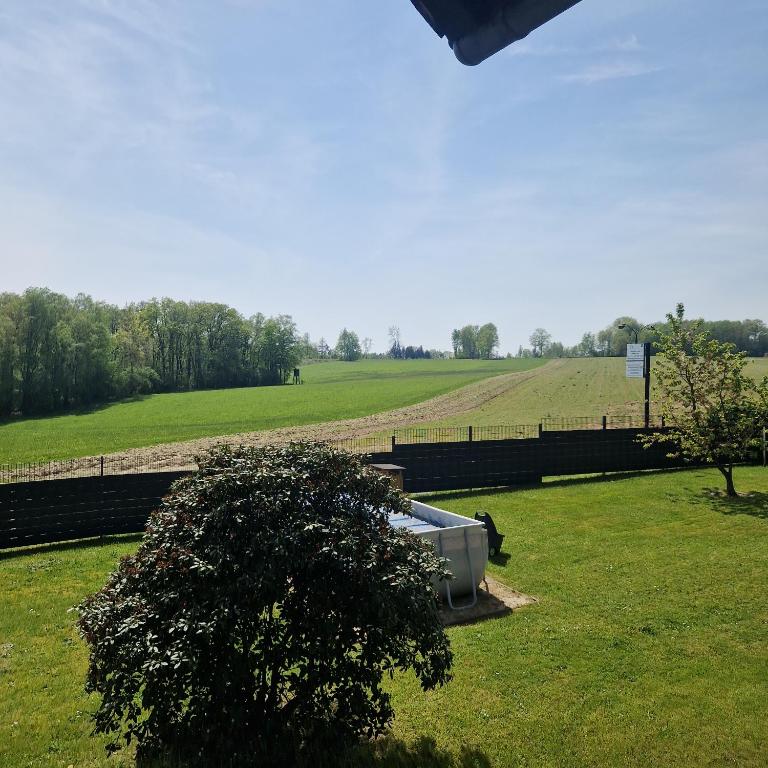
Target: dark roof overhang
{"points": [[476, 29]]}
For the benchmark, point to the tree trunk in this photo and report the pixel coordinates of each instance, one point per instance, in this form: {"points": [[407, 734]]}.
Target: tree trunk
{"points": [[728, 475]]}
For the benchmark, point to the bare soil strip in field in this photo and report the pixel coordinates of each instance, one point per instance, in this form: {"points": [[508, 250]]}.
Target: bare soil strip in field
{"points": [[172, 456]]}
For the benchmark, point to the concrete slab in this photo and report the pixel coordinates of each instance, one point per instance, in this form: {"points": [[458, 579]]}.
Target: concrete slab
{"points": [[497, 600]]}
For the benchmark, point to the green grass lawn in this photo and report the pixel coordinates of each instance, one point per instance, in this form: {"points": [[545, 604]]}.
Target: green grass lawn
{"points": [[333, 390], [575, 387], [649, 646]]}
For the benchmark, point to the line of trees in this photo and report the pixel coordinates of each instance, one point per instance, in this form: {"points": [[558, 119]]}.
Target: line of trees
{"points": [[475, 341], [61, 353], [749, 336], [408, 352]]}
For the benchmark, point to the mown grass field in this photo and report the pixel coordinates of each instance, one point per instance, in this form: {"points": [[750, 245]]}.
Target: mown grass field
{"points": [[648, 646], [574, 387], [331, 391]]}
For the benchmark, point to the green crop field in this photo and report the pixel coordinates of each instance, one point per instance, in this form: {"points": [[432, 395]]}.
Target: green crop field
{"points": [[331, 391], [574, 387], [647, 647]]}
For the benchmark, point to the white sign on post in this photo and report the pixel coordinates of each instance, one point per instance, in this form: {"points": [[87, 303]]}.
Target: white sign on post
{"points": [[635, 361]]}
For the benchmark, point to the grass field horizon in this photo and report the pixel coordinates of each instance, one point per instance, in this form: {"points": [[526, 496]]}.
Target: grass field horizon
{"points": [[647, 646], [571, 387], [568, 387], [332, 391]]}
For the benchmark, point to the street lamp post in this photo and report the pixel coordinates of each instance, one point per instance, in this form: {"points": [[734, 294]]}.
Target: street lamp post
{"points": [[646, 367]]}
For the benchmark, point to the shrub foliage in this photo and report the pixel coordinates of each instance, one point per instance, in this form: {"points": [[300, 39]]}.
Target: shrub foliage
{"points": [[263, 608]]}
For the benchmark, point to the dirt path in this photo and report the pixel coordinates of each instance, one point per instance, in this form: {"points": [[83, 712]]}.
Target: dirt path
{"points": [[181, 454]]}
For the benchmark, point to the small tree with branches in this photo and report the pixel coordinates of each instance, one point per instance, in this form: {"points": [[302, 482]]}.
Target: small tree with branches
{"points": [[713, 407]]}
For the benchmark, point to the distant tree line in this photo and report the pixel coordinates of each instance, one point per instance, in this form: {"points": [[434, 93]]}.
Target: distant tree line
{"points": [[60, 353], [409, 352], [749, 336], [475, 341], [350, 347]]}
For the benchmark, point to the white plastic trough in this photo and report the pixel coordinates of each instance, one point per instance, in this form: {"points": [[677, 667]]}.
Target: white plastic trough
{"points": [[461, 540]]}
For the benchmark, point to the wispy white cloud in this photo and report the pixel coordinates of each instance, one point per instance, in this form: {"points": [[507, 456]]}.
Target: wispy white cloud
{"points": [[617, 70], [159, 22], [120, 86], [628, 44], [528, 48]]}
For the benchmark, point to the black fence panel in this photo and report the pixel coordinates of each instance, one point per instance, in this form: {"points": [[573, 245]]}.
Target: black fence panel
{"points": [[59, 510], [479, 464], [579, 452], [494, 463]]}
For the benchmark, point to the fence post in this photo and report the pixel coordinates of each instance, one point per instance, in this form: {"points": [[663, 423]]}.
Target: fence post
{"points": [[541, 429], [102, 466], [662, 421], [605, 422], [469, 433], [765, 450], [394, 440]]}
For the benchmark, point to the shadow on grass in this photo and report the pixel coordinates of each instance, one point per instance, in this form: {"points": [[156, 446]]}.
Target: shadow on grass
{"points": [[476, 493], [561, 482], [500, 558], [81, 410], [754, 503], [611, 477], [387, 752], [423, 753], [66, 546]]}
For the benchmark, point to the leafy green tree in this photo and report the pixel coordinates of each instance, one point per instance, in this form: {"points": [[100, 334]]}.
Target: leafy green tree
{"points": [[554, 349], [278, 349], [468, 341], [8, 352], [587, 347], [540, 340], [456, 342], [474, 341], [258, 617], [487, 341], [714, 409], [348, 346]]}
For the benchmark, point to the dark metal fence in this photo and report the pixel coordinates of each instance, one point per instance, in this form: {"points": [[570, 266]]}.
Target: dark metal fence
{"points": [[99, 496], [102, 503], [561, 424], [494, 463], [88, 466], [431, 435], [61, 510], [109, 465]]}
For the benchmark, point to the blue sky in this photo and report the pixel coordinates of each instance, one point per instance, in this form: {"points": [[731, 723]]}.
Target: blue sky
{"points": [[333, 161]]}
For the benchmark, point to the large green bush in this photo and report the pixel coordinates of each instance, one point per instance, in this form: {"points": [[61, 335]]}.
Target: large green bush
{"points": [[263, 608]]}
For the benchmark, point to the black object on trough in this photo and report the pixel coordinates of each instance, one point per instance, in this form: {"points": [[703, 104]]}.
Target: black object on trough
{"points": [[476, 29], [495, 539]]}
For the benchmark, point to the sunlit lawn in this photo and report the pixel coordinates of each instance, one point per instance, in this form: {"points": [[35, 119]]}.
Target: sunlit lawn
{"points": [[649, 645]]}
